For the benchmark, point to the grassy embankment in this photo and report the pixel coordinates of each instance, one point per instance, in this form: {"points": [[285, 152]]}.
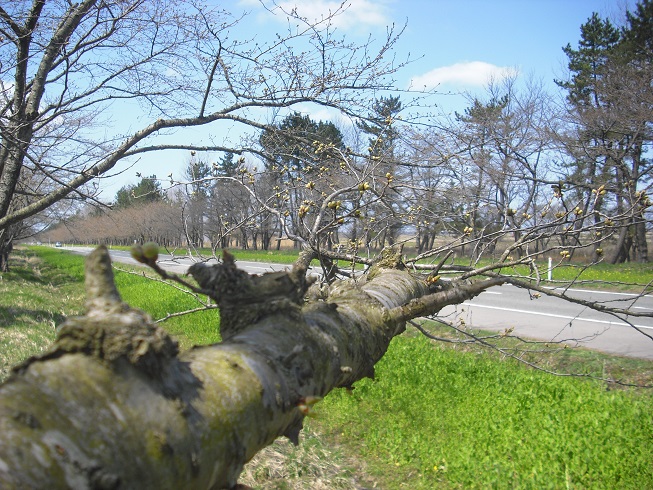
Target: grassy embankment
{"points": [[436, 417]]}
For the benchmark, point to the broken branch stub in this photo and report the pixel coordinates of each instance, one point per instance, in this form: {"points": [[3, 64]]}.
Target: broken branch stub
{"points": [[244, 299], [111, 330]]}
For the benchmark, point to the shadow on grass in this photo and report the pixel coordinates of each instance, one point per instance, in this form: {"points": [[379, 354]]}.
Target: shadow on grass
{"points": [[27, 266], [47, 276], [10, 316]]}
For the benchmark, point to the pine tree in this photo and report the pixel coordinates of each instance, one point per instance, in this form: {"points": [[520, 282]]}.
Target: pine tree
{"points": [[299, 152], [610, 93], [227, 166], [379, 125], [638, 33], [588, 63], [146, 191], [292, 142], [383, 137]]}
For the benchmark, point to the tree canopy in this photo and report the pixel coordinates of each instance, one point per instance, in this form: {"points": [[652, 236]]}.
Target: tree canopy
{"points": [[67, 67], [610, 97]]}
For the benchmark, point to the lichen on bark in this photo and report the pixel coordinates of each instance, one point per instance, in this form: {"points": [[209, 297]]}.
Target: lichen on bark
{"points": [[244, 299], [114, 405]]}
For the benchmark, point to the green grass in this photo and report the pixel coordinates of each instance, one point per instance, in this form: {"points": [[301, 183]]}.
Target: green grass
{"points": [[35, 298], [160, 299], [153, 296], [45, 285], [439, 418], [629, 276], [551, 357], [436, 417], [278, 256], [619, 276]]}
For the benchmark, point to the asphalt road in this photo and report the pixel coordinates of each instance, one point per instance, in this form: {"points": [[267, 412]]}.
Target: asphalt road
{"points": [[553, 319], [502, 307]]}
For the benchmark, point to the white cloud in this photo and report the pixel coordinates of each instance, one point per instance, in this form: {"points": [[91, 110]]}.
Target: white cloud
{"points": [[319, 113], [469, 73], [352, 13]]}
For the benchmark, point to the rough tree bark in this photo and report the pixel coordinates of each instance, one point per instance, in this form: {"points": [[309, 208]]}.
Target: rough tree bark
{"points": [[114, 405]]}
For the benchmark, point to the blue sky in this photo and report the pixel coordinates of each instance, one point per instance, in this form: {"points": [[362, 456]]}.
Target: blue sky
{"points": [[460, 42], [457, 45]]}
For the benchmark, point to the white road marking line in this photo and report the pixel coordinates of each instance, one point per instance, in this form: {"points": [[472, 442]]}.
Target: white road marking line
{"points": [[594, 291], [552, 315]]}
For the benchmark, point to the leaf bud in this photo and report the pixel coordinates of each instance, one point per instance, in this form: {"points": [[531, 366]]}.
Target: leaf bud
{"points": [[151, 250], [137, 254]]}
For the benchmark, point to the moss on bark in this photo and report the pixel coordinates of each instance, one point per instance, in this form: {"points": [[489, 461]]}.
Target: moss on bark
{"points": [[113, 405]]}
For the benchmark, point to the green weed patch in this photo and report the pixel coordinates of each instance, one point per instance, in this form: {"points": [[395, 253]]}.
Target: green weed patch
{"points": [[141, 289], [45, 285], [35, 298], [440, 418], [161, 299]]}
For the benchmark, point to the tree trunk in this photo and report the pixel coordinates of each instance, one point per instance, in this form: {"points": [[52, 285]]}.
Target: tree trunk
{"points": [[4, 259], [622, 248], [113, 405], [641, 246], [6, 246]]}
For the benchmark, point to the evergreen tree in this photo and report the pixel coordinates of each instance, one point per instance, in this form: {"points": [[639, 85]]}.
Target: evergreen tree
{"points": [[146, 191], [196, 174], [610, 93], [227, 166], [198, 188], [298, 150], [638, 33], [383, 134], [589, 62], [383, 138], [292, 143]]}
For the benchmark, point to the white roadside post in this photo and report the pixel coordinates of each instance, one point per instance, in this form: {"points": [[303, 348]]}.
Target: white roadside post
{"points": [[550, 270]]}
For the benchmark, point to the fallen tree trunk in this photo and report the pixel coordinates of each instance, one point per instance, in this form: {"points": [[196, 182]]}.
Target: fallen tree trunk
{"points": [[114, 405]]}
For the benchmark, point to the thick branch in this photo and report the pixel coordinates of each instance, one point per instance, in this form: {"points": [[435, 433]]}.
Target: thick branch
{"points": [[112, 405]]}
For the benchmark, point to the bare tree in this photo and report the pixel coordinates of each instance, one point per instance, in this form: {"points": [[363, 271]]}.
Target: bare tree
{"points": [[63, 66], [155, 221], [286, 344], [228, 203], [113, 403]]}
